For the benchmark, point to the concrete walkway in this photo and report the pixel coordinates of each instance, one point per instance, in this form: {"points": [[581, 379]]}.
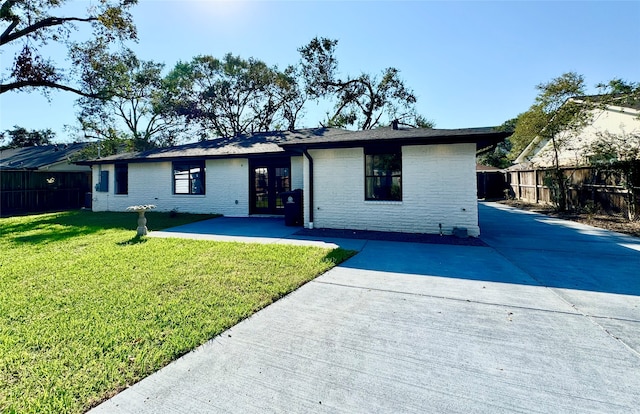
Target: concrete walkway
{"points": [[546, 319], [252, 230]]}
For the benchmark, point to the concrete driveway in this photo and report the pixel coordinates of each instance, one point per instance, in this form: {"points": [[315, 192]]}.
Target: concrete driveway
{"points": [[545, 319]]}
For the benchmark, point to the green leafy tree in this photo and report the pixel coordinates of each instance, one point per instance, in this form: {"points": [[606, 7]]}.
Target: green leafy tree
{"points": [[292, 94], [233, 96], [138, 101], [556, 118], [620, 91], [526, 127], [499, 157], [366, 101], [29, 25], [20, 137], [111, 142]]}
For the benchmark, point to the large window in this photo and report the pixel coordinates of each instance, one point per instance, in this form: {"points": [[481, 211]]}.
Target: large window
{"points": [[122, 178], [188, 177], [383, 174]]}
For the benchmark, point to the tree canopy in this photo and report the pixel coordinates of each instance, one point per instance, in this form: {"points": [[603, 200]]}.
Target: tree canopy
{"points": [[21, 137], [363, 101], [28, 26], [233, 96], [138, 100]]}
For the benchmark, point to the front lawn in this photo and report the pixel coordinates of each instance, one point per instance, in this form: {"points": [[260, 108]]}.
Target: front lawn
{"points": [[86, 308]]}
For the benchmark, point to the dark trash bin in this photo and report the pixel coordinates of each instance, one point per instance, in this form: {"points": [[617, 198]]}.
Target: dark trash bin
{"points": [[293, 212], [88, 200]]}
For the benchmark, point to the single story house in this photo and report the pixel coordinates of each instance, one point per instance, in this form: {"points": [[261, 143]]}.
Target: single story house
{"points": [[387, 179], [42, 178]]}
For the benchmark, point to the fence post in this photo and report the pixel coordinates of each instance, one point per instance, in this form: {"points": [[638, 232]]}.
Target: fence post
{"points": [[535, 182]]}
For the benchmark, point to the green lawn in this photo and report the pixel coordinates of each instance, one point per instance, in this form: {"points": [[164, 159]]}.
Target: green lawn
{"points": [[86, 308]]}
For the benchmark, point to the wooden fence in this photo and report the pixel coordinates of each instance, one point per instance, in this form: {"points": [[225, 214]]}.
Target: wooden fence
{"points": [[30, 192], [588, 188]]}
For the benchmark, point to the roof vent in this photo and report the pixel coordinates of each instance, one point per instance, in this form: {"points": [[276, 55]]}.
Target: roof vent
{"points": [[394, 124]]}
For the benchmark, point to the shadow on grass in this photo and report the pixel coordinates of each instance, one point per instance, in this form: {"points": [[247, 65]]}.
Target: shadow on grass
{"points": [[134, 240], [53, 227], [339, 255]]}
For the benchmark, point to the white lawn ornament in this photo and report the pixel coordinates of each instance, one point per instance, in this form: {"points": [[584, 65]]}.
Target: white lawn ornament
{"points": [[142, 220]]}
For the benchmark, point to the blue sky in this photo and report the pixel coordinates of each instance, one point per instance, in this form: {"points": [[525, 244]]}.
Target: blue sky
{"points": [[470, 63]]}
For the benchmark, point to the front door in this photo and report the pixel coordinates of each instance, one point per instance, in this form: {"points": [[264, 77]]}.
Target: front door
{"points": [[269, 178]]}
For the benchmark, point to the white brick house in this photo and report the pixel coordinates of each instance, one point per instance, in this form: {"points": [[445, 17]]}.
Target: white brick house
{"points": [[405, 180]]}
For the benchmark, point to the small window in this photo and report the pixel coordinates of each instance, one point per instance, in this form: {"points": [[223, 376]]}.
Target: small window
{"points": [[383, 174], [122, 179], [188, 177]]}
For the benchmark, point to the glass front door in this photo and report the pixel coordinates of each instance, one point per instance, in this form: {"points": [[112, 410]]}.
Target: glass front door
{"points": [[269, 178]]}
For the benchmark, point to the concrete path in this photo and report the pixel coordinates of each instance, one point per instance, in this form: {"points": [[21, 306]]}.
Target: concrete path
{"points": [[546, 319], [264, 230]]}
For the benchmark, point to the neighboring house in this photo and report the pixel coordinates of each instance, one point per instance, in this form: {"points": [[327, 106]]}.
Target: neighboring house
{"points": [[587, 185], [41, 178], [405, 180], [573, 152]]}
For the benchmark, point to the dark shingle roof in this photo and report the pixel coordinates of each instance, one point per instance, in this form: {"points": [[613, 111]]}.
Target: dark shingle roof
{"points": [[242, 145], [33, 158], [404, 136], [280, 141]]}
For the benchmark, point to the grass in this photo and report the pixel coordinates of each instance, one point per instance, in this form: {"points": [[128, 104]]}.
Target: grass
{"points": [[87, 309]]}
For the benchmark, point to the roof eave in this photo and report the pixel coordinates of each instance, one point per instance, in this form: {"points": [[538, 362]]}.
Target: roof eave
{"points": [[481, 141], [185, 157]]}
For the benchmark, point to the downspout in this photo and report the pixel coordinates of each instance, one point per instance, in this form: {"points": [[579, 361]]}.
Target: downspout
{"points": [[306, 154]]}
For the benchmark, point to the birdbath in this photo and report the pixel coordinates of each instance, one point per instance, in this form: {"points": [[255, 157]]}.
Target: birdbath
{"points": [[142, 220]]}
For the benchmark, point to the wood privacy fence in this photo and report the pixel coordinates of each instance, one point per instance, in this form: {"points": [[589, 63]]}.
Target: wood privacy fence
{"points": [[589, 187], [31, 192]]}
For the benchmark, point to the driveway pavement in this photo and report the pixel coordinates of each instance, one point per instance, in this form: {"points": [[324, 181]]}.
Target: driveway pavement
{"points": [[544, 319]]}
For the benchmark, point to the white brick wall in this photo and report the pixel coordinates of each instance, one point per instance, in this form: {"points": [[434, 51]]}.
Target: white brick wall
{"points": [[227, 189], [297, 180], [438, 187]]}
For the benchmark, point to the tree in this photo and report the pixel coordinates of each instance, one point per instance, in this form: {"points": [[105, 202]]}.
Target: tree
{"points": [[619, 154], [29, 25], [618, 88], [111, 142], [526, 127], [138, 100], [499, 157], [233, 96], [556, 118], [293, 96], [20, 137], [361, 101]]}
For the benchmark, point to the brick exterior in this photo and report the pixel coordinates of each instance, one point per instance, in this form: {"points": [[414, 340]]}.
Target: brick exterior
{"points": [[227, 180], [297, 180], [438, 187]]}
